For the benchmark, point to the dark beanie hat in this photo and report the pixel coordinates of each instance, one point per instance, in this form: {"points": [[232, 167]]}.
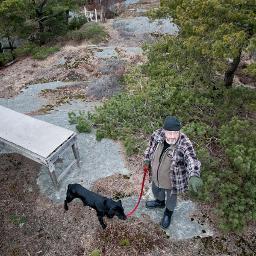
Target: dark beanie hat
{"points": [[171, 123]]}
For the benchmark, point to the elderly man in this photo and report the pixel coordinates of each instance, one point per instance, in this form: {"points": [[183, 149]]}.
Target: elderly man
{"points": [[172, 162]]}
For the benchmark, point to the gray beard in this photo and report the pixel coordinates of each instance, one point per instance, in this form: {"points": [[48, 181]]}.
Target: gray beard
{"points": [[171, 142]]}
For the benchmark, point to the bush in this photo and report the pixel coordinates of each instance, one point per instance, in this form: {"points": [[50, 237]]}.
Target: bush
{"points": [[35, 51], [17, 219], [25, 50], [77, 22], [81, 121], [251, 69], [5, 58], [124, 242], [90, 31], [95, 252], [41, 53], [83, 125], [237, 189], [161, 87]]}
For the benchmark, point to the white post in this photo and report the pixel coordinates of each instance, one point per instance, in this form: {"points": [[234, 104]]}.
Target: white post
{"points": [[85, 11], [101, 15], [96, 18]]}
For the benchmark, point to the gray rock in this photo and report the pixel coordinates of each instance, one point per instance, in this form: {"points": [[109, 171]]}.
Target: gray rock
{"points": [[143, 25], [105, 86], [99, 159], [182, 227]]}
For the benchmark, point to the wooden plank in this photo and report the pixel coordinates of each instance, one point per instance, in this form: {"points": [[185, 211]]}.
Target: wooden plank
{"points": [[25, 152], [33, 135]]}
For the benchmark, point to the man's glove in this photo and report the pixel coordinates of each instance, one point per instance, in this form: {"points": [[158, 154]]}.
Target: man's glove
{"points": [[146, 165], [194, 184], [146, 168]]}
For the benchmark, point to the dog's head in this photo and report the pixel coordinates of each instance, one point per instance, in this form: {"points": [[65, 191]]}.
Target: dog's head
{"points": [[117, 209]]}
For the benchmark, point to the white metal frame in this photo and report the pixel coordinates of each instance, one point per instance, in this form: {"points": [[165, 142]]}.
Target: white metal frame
{"points": [[91, 15], [50, 160]]}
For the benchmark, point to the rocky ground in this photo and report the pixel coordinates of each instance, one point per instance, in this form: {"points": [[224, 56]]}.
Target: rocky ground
{"points": [[31, 224]]}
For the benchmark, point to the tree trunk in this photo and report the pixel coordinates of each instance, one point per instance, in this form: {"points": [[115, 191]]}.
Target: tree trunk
{"points": [[66, 16], [11, 47], [229, 74], [39, 16]]}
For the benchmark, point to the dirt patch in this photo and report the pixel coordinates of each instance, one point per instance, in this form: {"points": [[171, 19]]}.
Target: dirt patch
{"points": [[31, 224], [103, 87], [115, 186], [133, 9], [59, 96], [112, 66], [245, 78], [232, 243], [69, 64], [137, 238]]}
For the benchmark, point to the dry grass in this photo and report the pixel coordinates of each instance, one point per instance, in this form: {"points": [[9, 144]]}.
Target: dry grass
{"points": [[115, 186], [133, 237], [31, 224]]}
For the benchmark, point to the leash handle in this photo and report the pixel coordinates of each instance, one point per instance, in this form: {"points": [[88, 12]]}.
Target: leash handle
{"points": [[141, 192]]}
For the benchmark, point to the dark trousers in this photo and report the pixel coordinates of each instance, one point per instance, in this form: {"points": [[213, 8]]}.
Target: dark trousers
{"points": [[171, 196]]}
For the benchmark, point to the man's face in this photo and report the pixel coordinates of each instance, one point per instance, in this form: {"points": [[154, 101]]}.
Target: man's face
{"points": [[171, 136]]}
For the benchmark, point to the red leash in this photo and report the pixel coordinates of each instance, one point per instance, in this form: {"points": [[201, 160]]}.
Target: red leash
{"points": [[141, 192]]}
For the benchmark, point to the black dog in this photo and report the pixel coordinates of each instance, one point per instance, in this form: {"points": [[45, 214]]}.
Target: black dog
{"points": [[103, 205]]}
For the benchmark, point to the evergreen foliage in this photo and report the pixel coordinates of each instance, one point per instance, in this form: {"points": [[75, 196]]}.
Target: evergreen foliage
{"points": [[93, 32], [81, 121], [215, 31], [184, 77], [35, 51], [36, 22]]}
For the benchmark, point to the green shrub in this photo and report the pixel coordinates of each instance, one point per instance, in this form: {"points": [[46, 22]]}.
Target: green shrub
{"points": [[237, 189], [124, 242], [5, 58], [227, 152], [90, 31], [25, 50], [35, 51], [251, 69], [77, 22], [81, 121], [83, 125], [41, 53], [95, 252], [18, 220], [72, 117]]}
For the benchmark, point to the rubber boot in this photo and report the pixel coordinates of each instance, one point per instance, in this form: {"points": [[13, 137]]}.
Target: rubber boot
{"points": [[155, 204], [166, 220]]}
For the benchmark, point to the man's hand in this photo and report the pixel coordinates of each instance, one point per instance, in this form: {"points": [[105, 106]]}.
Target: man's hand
{"points": [[194, 184], [146, 165], [146, 168]]}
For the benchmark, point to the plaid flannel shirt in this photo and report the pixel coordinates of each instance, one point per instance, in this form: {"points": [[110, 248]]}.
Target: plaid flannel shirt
{"points": [[186, 163]]}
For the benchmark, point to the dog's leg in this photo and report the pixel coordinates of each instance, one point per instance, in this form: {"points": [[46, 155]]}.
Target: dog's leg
{"points": [[100, 218], [65, 205], [69, 198]]}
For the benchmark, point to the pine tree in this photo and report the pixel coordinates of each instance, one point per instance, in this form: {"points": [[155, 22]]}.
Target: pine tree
{"points": [[50, 17], [217, 31], [12, 18]]}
